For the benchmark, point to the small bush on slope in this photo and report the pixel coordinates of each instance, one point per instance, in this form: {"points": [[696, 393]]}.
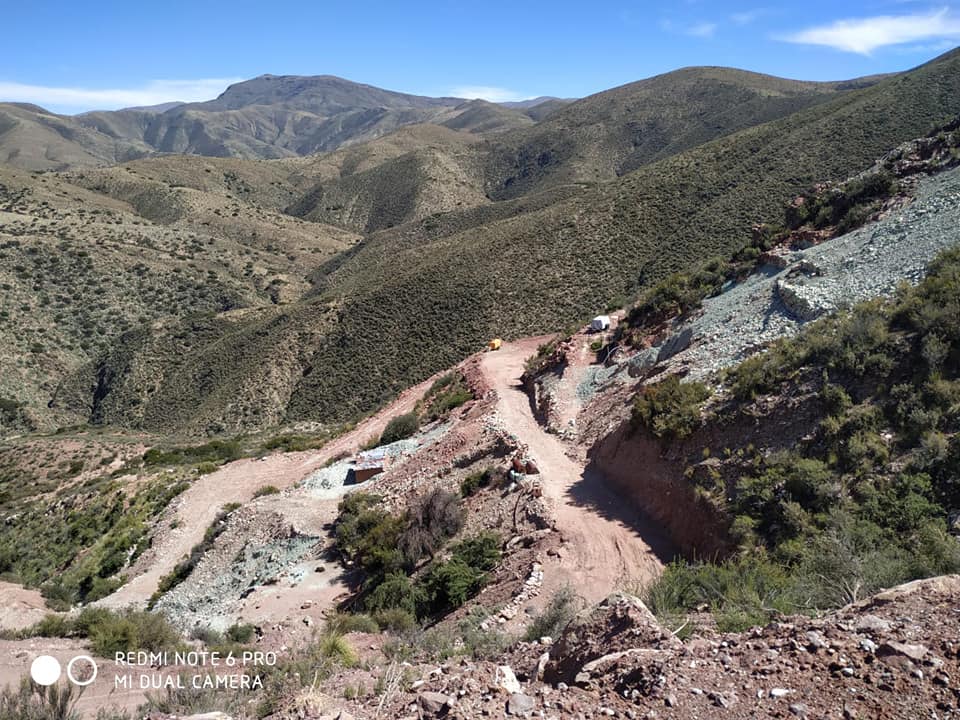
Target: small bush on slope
{"points": [[400, 428], [446, 393], [670, 409], [431, 520], [476, 481], [559, 611], [110, 632], [387, 549]]}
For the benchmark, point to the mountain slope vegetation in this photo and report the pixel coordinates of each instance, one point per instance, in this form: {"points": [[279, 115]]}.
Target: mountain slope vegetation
{"points": [[861, 494], [416, 297], [80, 269], [614, 132], [266, 117]]}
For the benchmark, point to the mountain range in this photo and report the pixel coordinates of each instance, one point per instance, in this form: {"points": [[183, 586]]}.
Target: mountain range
{"points": [[302, 249], [270, 116]]}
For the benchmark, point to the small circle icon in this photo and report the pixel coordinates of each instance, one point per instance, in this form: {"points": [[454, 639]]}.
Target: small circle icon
{"points": [[45, 670], [87, 672]]}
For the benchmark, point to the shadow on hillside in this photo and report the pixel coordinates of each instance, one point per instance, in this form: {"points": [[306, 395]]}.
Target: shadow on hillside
{"points": [[592, 493]]}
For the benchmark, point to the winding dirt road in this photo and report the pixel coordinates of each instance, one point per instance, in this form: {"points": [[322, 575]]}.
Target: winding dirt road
{"points": [[608, 545]]}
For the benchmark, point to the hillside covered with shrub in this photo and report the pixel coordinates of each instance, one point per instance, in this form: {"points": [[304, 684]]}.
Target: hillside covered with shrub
{"points": [[415, 298], [868, 498]]}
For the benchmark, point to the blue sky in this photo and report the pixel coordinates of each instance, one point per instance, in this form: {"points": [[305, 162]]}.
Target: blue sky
{"points": [[72, 56]]}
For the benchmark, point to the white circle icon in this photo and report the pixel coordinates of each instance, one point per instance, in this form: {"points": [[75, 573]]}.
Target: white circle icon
{"points": [[45, 670], [93, 670]]}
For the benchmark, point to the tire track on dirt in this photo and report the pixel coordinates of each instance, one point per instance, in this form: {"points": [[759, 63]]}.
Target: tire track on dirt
{"points": [[606, 547]]}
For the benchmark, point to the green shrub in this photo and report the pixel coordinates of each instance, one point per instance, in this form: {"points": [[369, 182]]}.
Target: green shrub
{"points": [[396, 591], [266, 490], [240, 633], [481, 552], [446, 393], [213, 451], [555, 616], [744, 591], [133, 630], [287, 443], [334, 646], [755, 375], [430, 520], [110, 631], [475, 481], [344, 623], [400, 428], [369, 536], [450, 584], [395, 620], [478, 642], [52, 626], [670, 409]]}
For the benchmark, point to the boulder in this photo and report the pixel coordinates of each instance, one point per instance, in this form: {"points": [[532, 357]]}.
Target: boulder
{"points": [[915, 652], [434, 704], [618, 627], [520, 705], [506, 679]]}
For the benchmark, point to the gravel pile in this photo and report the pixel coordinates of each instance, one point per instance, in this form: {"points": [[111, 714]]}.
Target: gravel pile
{"points": [[777, 301], [594, 379], [329, 482], [252, 553]]}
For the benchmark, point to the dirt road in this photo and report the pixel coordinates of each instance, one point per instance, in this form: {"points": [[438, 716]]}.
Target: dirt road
{"points": [[607, 544]]}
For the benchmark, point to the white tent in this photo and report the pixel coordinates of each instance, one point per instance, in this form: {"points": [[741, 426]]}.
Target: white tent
{"points": [[600, 322]]}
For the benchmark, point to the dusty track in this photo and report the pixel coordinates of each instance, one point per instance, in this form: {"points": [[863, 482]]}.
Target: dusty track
{"points": [[607, 545]]}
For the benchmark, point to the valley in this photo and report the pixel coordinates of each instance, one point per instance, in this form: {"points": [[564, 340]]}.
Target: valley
{"points": [[307, 369]]}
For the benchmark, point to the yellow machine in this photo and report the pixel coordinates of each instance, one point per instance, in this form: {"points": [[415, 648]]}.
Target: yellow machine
{"points": [[495, 344]]}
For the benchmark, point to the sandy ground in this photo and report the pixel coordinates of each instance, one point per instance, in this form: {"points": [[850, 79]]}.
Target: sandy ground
{"points": [[17, 655], [19, 607], [606, 545]]}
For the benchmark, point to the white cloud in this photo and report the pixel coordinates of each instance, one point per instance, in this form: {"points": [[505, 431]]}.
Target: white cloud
{"points": [[490, 94], [865, 35], [703, 30], [748, 16], [79, 99]]}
